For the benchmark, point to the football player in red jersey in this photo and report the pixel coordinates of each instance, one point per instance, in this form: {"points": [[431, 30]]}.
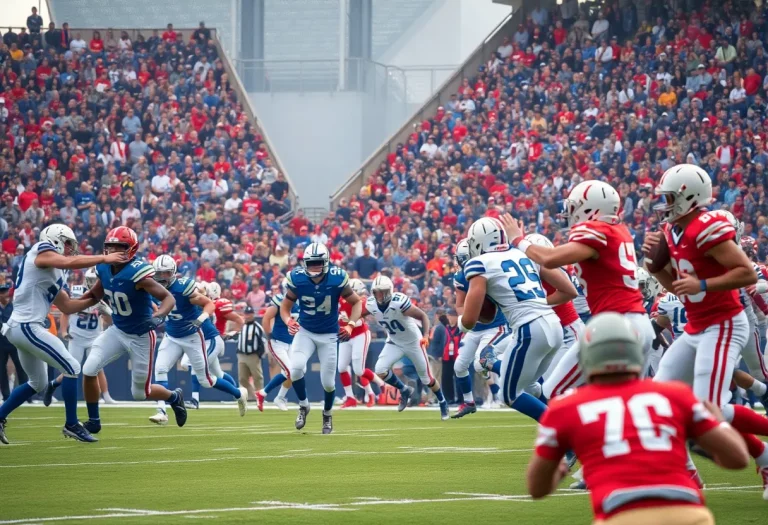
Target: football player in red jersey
{"points": [[603, 254], [630, 434], [706, 270], [354, 351], [224, 312]]}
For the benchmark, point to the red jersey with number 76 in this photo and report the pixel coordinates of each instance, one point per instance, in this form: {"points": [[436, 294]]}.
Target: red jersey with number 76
{"points": [[223, 308], [631, 439], [688, 254], [609, 279]]}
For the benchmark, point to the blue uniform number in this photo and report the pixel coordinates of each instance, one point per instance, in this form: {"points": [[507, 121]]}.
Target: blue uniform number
{"points": [[679, 320], [87, 321], [310, 306], [175, 315], [20, 275], [523, 272], [393, 326], [53, 290]]}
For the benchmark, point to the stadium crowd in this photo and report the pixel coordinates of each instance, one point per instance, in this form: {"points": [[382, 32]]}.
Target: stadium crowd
{"points": [[98, 130]]}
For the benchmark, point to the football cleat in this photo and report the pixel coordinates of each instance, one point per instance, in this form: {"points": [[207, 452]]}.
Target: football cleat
{"points": [[281, 403], [179, 409], [93, 426], [327, 424], [242, 402], [763, 471], [301, 418], [260, 401], [571, 458], [3, 439], [578, 485], [50, 388], [371, 401], [192, 404], [694, 473], [108, 399], [465, 409], [487, 358], [444, 414], [349, 402], [78, 432], [160, 418], [405, 395]]}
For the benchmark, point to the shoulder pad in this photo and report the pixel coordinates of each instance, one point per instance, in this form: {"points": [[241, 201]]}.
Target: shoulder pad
{"points": [[141, 270], [188, 286], [277, 300], [401, 301], [44, 247]]}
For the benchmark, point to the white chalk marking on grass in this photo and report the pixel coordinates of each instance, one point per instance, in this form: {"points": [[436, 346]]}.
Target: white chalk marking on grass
{"points": [[224, 449], [118, 509], [108, 448], [62, 446], [299, 450], [718, 484], [366, 498], [158, 449]]}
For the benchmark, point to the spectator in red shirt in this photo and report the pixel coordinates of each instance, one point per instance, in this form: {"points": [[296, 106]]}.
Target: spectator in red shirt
{"points": [[375, 215], [752, 82], [206, 273], [298, 221], [239, 288], [169, 35], [28, 196]]}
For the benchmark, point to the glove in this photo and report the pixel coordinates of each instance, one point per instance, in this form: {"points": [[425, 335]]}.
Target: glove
{"points": [[345, 332], [65, 336], [103, 308], [229, 335], [293, 327], [156, 322], [424, 342]]}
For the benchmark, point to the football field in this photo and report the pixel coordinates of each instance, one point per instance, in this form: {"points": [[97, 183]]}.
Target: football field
{"points": [[379, 466]]}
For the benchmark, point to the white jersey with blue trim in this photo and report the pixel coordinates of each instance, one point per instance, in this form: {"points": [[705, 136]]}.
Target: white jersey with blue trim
{"points": [[85, 325], [401, 329], [513, 283], [673, 309], [36, 288]]}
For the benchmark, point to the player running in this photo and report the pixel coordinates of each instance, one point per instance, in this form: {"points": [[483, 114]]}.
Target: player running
{"points": [[706, 270], [81, 333], [396, 314], [512, 282], [279, 342], [189, 332], [317, 285], [630, 434], [128, 289], [603, 254], [39, 284], [355, 351], [482, 335]]}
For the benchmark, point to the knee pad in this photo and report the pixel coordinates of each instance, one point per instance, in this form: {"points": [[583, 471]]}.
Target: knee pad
{"points": [[296, 374], [161, 376], [330, 389], [137, 391], [534, 390], [89, 369]]}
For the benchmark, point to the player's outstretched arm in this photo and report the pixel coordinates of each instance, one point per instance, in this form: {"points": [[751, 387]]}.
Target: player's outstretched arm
{"points": [[473, 303], [563, 255], [52, 259], [209, 307], [724, 443], [236, 320], [354, 300], [159, 292], [67, 305], [564, 288], [544, 475]]}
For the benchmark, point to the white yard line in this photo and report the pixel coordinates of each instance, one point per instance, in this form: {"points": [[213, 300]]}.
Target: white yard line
{"points": [[224, 449]]}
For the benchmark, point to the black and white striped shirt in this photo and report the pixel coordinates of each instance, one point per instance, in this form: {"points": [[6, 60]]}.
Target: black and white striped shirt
{"points": [[251, 339]]}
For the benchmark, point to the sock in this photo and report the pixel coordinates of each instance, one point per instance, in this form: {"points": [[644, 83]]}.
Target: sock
{"points": [[229, 379], [465, 386], [19, 396], [93, 411], [328, 398], [393, 380], [363, 381], [758, 388], [300, 387], [283, 392], [494, 389], [69, 391], [56, 382], [279, 379], [369, 390], [756, 448], [496, 369], [529, 405], [161, 404], [748, 421], [226, 386], [368, 376], [173, 398], [439, 395], [346, 382], [195, 388]]}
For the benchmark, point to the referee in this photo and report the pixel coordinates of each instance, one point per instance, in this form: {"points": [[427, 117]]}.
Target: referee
{"points": [[250, 349]]}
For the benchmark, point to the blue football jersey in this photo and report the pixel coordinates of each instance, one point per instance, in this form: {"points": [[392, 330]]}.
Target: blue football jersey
{"points": [[184, 313], [209, 330], [318, 302], [460, 283], [279, 328], [131, 307]]}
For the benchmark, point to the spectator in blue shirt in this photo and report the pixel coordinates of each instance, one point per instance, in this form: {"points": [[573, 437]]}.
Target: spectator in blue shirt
{"points": [[83, 200]]}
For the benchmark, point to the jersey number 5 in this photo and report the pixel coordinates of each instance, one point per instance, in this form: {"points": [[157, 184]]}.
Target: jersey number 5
{"points": [[652, 437]]}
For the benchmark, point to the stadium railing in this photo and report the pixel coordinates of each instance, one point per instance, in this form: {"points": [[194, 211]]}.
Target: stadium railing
{"points": [[242, 94]]}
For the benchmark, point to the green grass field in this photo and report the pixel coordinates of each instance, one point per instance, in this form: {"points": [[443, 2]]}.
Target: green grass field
{"points": [[378, 466]]}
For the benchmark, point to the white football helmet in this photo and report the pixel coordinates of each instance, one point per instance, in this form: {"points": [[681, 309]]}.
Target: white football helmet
{"points": [[683, 188], [202, 287], [648, 284], [165, 270], [91, 277], [486, 235], [539, 239], [736, 223], [592, 200], [461, 254], [382, 289], [316, 254], [61, 237], [214, 291], [358, 287]]}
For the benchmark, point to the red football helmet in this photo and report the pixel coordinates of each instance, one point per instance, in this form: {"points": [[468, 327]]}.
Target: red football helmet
{"points": [[123, 236]]}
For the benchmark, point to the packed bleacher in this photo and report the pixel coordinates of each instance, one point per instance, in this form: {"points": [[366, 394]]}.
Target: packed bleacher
{"points": [[99, 130]]}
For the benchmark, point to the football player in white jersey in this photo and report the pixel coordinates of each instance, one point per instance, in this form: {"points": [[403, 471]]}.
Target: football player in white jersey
{"points": [[397, 315], [512, 281], [81, 334], [39, 284]]}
